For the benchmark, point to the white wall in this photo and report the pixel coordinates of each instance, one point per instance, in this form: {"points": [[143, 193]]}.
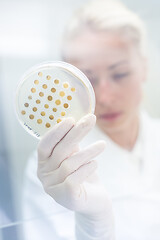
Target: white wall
{"points": [[149, 11]]}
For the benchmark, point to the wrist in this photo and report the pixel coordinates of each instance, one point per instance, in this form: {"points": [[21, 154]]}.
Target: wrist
{"points": [[95, 227]]}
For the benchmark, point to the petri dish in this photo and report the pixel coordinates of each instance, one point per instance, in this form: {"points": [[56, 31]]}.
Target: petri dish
{"points": [[50, 92]]}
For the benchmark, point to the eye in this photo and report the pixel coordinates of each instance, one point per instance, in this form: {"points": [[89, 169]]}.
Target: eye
{"points": [[120, 76]]}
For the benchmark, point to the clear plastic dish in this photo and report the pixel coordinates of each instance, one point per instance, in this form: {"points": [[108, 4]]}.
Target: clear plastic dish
{"points": [[49, 92]]}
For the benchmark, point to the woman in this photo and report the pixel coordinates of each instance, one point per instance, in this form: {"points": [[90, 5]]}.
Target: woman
{"points": [[107, 42]]}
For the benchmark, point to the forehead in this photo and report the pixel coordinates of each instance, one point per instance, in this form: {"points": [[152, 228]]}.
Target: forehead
{"points": [[97, 47]]}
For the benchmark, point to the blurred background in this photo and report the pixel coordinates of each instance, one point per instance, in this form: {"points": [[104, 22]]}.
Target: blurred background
{"points": [[30, 33]]}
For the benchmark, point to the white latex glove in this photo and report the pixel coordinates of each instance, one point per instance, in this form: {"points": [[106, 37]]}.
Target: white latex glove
{"points": [[68, 176]]}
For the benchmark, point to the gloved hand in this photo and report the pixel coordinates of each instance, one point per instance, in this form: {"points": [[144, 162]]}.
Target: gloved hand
{"points": [[68, 176]]}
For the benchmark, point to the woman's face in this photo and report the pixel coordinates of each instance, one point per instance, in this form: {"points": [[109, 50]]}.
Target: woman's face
{"points": [[116, 71]]}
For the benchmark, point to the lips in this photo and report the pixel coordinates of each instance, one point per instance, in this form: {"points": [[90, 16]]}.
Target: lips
{"points": [[110, 116]]}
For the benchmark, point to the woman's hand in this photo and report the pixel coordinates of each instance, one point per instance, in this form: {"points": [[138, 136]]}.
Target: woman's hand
{"points": [[68, 173]]}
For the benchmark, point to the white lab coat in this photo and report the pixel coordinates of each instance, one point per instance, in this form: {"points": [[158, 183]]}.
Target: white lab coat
{"points": [[132, 178]]}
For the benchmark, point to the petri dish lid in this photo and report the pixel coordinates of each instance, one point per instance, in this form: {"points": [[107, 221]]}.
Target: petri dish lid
{"points": [[50, 92]]}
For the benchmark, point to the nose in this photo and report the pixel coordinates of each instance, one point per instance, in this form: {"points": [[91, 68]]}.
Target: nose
{"points": [[106, 92]]}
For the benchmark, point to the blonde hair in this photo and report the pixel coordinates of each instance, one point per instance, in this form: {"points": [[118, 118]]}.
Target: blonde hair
{"points": [[107, 15]]}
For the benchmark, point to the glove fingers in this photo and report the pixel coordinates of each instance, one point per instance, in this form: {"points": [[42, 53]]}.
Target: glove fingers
{"points": [[70, 193], [51, 165], [79, 176], [49, 141], [85, 155], [72, 164], [81, 128], [66, 147]]}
